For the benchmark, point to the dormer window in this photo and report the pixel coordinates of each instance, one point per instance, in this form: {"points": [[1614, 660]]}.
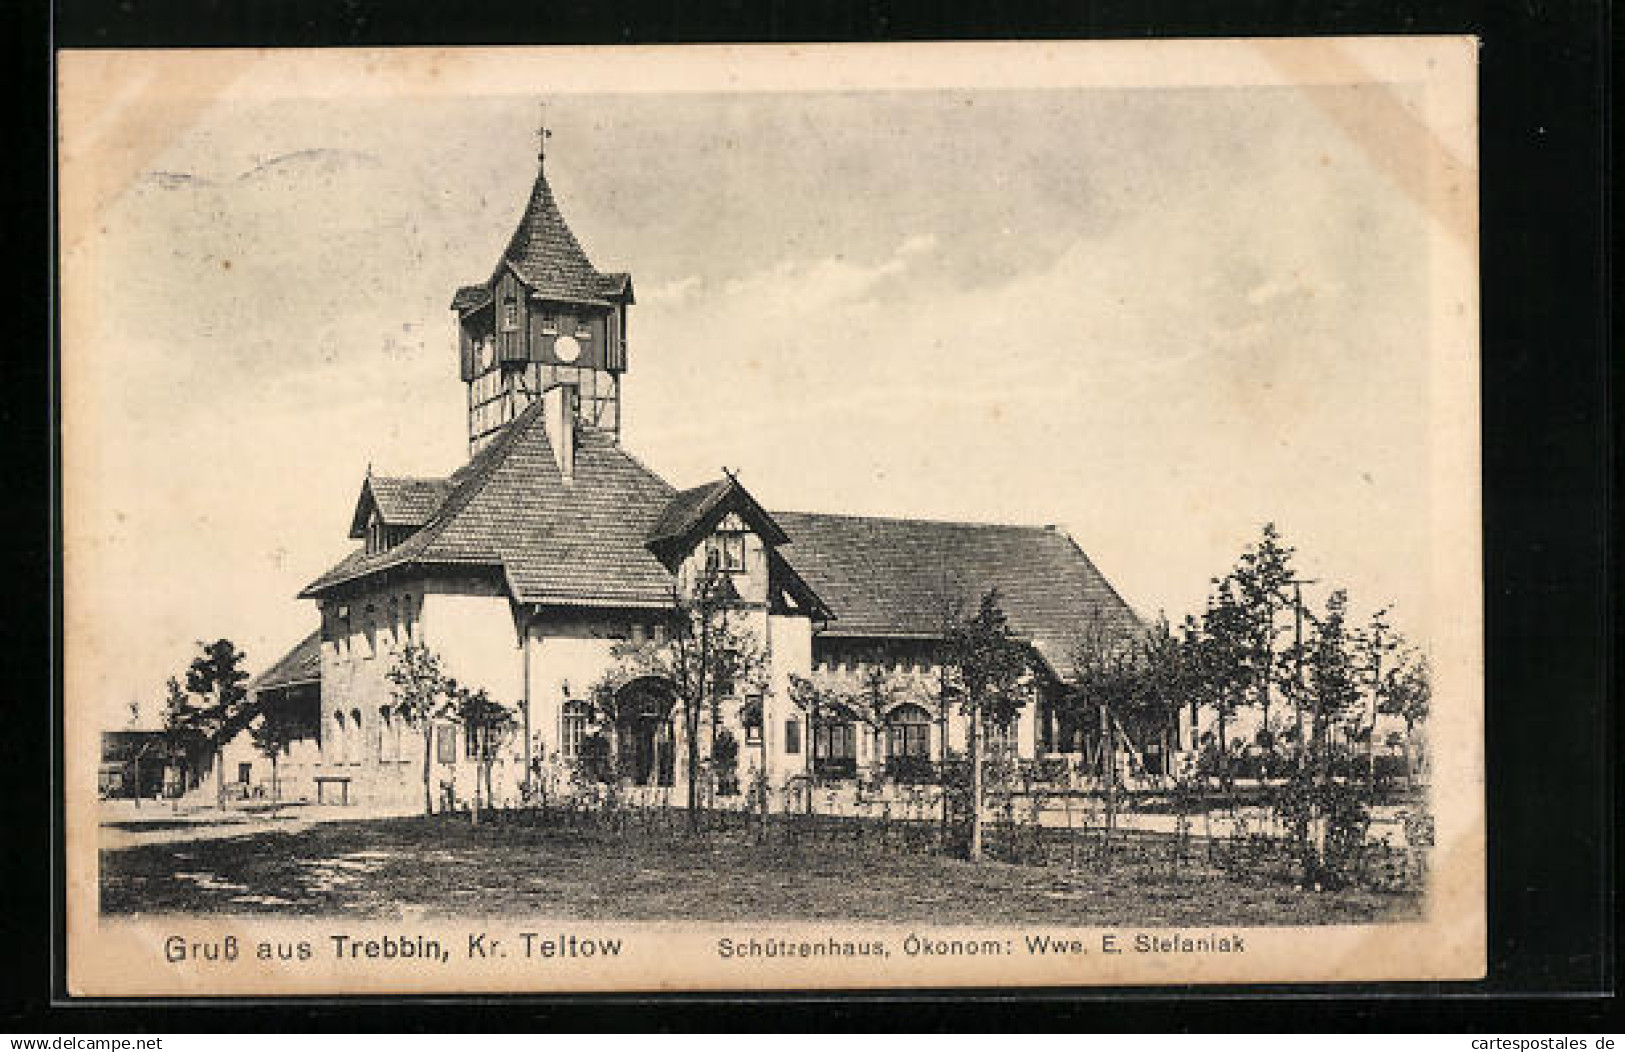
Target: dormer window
{"points": [[377, 535], [510, 314], [725, 551]]}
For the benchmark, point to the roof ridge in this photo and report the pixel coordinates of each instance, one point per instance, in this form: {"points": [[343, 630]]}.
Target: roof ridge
{"points": [[496, 455], [916, 521]]}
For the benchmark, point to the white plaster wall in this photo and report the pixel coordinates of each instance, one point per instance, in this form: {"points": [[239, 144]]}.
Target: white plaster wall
{"points": [[568, 655], [789, 653], [477, 641]]}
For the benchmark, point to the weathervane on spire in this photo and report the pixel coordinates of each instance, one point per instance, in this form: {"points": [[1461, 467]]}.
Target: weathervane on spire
{"points": [[543, 133]]}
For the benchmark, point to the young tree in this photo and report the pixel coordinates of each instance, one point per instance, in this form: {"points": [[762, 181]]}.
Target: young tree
{"points": [[708, 652], [218, 674], [1334, 686], [1373, 644], [814, 701], [1407, 692], [421, 690], [1102, 660], [878, 690], [1263, 577], [182, 735], [276, 728], [487, 724], [993, 668], [1163, 684], [1226, 670]]}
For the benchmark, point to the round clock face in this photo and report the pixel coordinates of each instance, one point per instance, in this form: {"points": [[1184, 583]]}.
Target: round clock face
{"points": [[566, 349]]}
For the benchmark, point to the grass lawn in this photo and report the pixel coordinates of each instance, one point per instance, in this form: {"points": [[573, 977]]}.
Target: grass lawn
{"points": [[440, 866]]}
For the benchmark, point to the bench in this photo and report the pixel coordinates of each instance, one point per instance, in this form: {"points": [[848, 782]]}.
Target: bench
{"points": [[341, 780]]}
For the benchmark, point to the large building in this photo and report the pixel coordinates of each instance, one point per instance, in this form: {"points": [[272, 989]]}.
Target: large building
{"points": [[535, 567]]}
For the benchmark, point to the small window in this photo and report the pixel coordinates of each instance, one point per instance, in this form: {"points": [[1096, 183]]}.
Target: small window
{"points": [[583, 332], [550, 324], [370, 627], [353, 743], [245, 771], [510, 314], [725, 552], [792, 736], [445, 743], [389, 742], [572, 729]]}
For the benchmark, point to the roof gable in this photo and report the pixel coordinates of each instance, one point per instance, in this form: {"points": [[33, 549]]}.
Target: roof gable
{"points": [[694, 513], [399, 501]]}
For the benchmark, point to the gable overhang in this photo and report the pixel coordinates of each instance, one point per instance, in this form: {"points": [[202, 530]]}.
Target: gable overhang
{"points": [[779, 569], [672, 548], [365, 501], [349, 582]]}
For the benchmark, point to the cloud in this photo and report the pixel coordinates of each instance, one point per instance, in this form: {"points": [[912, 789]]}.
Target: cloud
{"points": [[673, 294]]}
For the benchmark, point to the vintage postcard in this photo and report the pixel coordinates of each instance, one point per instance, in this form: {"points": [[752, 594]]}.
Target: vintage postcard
{"points": [[771, 518]]}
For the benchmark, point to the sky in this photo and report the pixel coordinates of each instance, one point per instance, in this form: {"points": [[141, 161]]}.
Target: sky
{"points": [[1155, 317]]}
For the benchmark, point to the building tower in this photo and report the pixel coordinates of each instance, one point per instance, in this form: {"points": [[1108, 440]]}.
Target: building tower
{"points": [[545, 318]]}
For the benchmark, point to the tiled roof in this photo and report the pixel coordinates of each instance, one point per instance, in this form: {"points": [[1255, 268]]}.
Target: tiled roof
{"points": [[549, 259], [589, 543], [684, 511], [471, 297], [616, 285], [302, 664], [898, 577], [509, 508], [408, 501]]}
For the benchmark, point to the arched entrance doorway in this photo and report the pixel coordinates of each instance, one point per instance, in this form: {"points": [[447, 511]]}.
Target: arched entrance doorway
{"points": [[643, 731]]}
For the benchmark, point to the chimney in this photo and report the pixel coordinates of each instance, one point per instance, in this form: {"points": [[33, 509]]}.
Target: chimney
{"points": [[559, 409]]}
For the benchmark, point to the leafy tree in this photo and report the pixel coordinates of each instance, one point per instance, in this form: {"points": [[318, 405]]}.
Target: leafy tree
{"points": [[487, 724], [421, 690], [1107, 684], [1334, 683], [183, 736], [1225, 661], [1262, 578], [1163, 684], [877, 691], [277, 727], [218, 674], [1373, 644], [992, 667], [708, 652], [1407, 692]]}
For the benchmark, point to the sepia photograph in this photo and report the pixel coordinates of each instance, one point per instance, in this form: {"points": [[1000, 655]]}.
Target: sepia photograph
{"points": [[862, 516]]}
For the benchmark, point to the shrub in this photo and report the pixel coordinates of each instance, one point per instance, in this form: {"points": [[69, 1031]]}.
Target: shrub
{"points": [[594, 760], [910, 770], [1326, 825]]}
